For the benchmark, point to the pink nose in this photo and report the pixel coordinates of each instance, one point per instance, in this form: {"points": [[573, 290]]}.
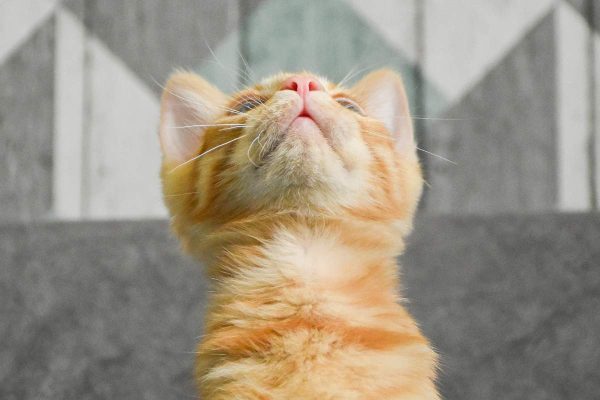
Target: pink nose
{"points": [[302, 84]]}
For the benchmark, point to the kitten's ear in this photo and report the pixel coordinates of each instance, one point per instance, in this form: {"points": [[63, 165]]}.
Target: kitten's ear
{"points": [[383, 97], [188, 101]]}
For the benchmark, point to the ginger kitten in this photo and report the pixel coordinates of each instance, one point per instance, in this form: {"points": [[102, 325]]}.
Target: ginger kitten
{"points": [[297, 195]]}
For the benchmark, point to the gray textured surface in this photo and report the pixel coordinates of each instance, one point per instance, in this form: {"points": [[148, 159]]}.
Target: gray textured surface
{"points": [[111, 310], [96, 311], [26, 117], [511, 303], [351, 47], [153, 37], [504, 141], [590, 10], [505, 149]]}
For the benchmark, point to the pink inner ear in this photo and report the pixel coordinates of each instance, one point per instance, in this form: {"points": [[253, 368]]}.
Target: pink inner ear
{"points": [[189, 104], [384, 98], [180, 135], [179, 140]]}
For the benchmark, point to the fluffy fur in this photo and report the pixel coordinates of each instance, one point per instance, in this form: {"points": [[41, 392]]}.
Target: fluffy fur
{"points": [[299, 223]]}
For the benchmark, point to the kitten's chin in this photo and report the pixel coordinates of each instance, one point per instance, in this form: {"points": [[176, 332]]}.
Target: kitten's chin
{"points": [[304, 126]]}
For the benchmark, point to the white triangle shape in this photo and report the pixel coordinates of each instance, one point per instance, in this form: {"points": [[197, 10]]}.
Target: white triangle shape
{"points": [[19, 19], [464, 39]]}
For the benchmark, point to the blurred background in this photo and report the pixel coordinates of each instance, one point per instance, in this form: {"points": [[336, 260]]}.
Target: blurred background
{"points": [[507, 90], [503, 270]]}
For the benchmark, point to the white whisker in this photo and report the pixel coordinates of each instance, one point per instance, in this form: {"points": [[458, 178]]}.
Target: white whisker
{"points": [[418, 148], [250, 148], [233, 128], [249, 72], [206, 152], [207, 126], [236, 73], [436, 155]]}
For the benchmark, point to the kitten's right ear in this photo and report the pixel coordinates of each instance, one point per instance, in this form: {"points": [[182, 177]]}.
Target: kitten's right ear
{"points": [[383, 96], [188, 104]]}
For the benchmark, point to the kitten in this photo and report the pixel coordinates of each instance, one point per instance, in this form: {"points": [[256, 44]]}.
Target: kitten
{"points": [[296, 194]]}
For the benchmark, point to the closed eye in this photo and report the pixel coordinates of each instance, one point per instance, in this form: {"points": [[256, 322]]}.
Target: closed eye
{"points": [[349, 104]]}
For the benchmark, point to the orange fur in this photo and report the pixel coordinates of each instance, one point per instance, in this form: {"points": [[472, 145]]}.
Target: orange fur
{"points": [[299, 231]]}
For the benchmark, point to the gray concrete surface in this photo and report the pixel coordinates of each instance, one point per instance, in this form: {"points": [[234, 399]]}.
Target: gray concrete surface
{"points": [[112, 310]]}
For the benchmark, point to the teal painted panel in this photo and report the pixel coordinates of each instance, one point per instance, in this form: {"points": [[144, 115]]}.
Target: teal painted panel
{"points": [[326, 37]]}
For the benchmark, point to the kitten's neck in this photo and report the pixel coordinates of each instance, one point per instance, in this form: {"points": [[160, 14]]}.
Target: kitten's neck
{"points": [[352, 261]]}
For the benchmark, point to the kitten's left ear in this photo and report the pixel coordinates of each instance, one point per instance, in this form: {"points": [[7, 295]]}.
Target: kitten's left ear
{"points": [[383, 97], [188, 104]]}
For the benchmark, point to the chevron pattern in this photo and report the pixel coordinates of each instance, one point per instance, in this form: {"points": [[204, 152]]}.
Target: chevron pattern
{"points": [[508, 90]]}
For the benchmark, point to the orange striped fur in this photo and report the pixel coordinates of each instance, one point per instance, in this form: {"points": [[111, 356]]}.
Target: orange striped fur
{"points": [[299, 230]]}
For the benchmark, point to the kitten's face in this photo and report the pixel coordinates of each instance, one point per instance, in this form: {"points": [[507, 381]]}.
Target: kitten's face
{"points": [[291, 142]]}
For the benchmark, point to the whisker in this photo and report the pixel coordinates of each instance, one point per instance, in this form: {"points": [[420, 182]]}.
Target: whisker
{"points": [[238, 74], [437, 119], [233, 128], [355, 73], [249, 149], [250, 72], [436, 155], [417, 147], [206, 152], [346, 77], [208, 126], [232, 110], [187, 100]]}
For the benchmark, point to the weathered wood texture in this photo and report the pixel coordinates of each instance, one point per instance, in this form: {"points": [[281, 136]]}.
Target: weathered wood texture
{"points": [[507, 90], [26, 156], [502, 143]]}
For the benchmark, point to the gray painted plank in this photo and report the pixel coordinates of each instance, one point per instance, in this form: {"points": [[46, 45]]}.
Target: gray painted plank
{"points": [[589, 10], [154, 37], [290, 36], [595, 106], [504, 141], [26, 120]]}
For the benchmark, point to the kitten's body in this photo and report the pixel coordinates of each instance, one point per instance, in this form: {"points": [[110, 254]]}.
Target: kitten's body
{"points": [[301, 243]]}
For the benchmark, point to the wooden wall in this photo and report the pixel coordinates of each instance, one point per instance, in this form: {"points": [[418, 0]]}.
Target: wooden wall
{"points": [[508, 91]]}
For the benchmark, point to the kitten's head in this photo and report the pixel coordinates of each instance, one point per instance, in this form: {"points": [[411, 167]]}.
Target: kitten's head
{"points": [[291, 143]]}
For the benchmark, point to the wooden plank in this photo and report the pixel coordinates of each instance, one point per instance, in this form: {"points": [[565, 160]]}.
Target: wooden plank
{"points": [[595, 104], [573, 110], [26, 96], [272, 29], [121, 151], [68, 115], [153, 37], [500, 135], [133, 47]]}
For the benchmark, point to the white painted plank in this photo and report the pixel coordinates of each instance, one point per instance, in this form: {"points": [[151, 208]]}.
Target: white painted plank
{"points": [[573, 110], [122, 151], [596, 110], [68, 115]]}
